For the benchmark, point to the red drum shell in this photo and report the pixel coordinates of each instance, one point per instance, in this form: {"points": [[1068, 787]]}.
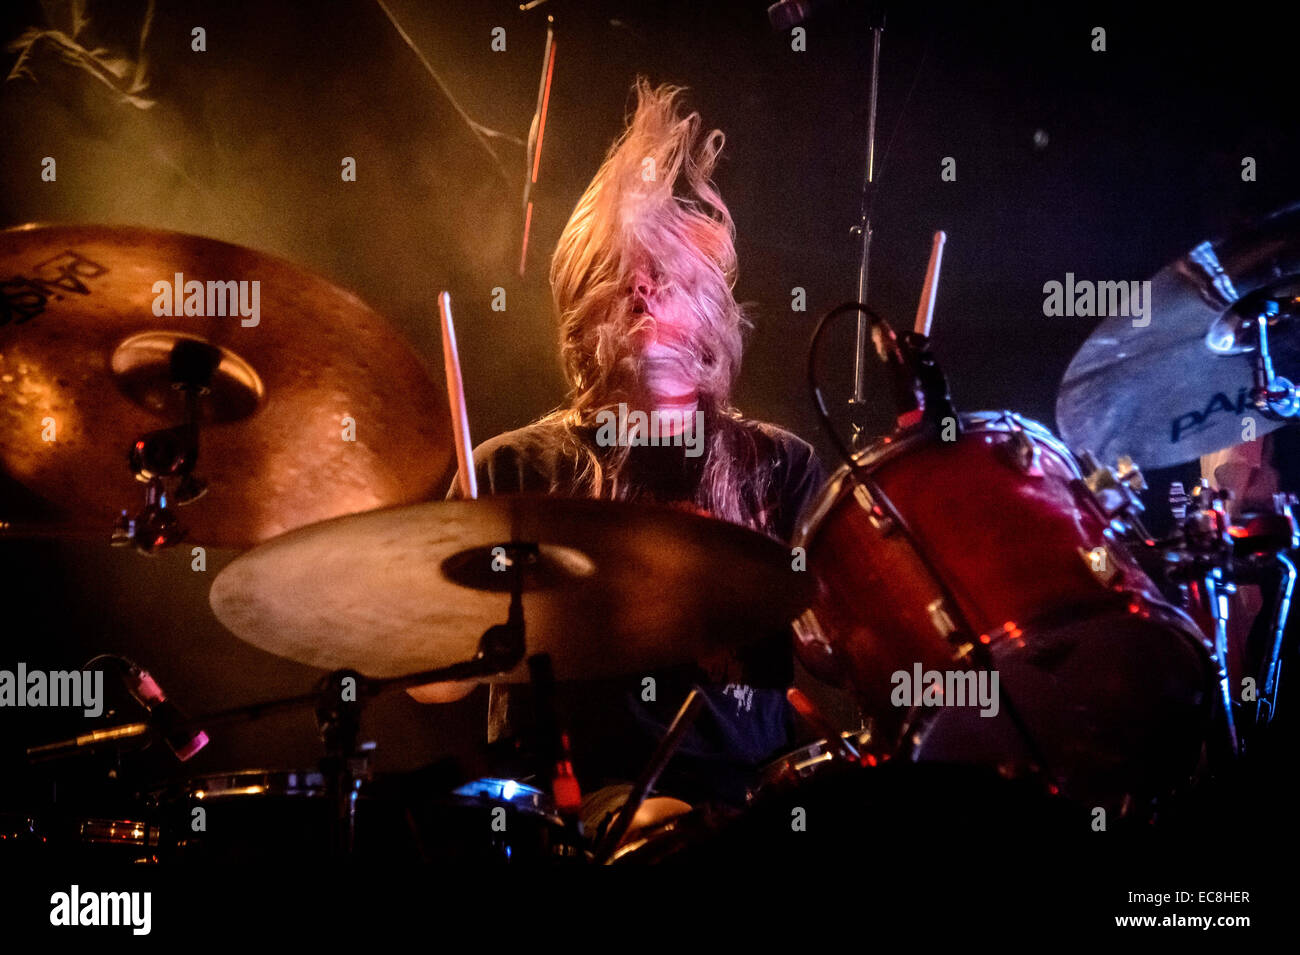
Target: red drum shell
{"points": [[1005, 519]]}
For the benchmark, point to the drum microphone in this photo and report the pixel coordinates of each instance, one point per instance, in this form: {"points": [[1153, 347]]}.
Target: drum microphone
{"points": [[114, 735], [165, 720], [787, 14], [164, 715]]}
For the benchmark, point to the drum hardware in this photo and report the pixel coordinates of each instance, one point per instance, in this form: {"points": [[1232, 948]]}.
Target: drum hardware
{"points": [[861, 230], [682, 721], [337, 704], [1273, 396], [1116, 489], [809, 633], [1175, 387], [119, 832], [168, 456], [1206, 558], [1267, 705], [164, 720], [1101, 563], [1022, 451], [849, 745], [941, 619], [1048, 614], [875, 513], [1199, 564], [918, 381], [89, 353], [554, 753]]}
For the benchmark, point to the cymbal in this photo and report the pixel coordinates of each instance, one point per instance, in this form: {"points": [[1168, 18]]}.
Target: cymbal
{"points": [[1179, 388], [615, 588], [81, 345]]}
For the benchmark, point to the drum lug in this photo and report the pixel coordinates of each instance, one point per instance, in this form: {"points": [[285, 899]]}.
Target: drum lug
{"points": [[1024, 454], [879, 519], [940, 618], [809, 633], [1115, 489], [1101, 563]]}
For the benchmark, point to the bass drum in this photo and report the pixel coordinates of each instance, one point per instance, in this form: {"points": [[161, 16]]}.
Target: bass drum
{"points": [[994, 542]]}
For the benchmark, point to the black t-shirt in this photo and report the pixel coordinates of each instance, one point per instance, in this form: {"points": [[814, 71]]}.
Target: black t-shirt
{"points": [[746, 719]]}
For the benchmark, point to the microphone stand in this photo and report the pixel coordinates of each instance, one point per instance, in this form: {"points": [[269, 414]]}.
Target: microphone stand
{"points": [[862, 229], [337, 703]]}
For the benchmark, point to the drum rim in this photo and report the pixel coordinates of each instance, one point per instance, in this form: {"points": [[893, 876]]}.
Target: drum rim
{"points": [[801, 759], [887, 448], [525, 798], [309, 783]]}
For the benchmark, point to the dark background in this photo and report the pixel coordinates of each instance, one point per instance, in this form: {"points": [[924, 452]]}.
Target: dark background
{"points": [[1142, 161]]}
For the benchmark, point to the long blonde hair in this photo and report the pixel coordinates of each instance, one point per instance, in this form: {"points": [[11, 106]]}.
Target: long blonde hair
{"points": [[653, 200]]}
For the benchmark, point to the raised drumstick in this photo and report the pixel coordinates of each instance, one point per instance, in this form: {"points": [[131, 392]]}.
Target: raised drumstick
{"points": [[925, 310], [465, 475]]}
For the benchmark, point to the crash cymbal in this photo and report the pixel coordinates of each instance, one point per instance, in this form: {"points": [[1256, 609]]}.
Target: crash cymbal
{"points": [[614, 588], [84, 372], [1179, 387]]}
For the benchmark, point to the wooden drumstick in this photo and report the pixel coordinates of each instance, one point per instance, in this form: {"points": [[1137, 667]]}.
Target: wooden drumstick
{"points": [[465, 475], [925, 310]]}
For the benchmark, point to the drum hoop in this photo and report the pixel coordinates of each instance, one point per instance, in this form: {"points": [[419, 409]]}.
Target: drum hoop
{"points": [[246, 782], [886, 449], [489, 792]]}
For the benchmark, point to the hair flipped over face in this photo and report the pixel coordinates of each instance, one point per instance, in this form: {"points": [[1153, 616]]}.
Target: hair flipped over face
{"points": [[652, 206]]}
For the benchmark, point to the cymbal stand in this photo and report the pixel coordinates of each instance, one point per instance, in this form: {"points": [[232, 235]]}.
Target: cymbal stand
{"points": [[1208, 556], [169, 455]]}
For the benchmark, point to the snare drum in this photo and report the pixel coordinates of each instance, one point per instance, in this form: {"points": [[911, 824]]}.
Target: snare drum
{"points": [[993, 543], [260, 815]]}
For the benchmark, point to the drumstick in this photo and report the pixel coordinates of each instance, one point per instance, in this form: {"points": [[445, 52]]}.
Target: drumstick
{"points": [[465, 476], [925, 310]]}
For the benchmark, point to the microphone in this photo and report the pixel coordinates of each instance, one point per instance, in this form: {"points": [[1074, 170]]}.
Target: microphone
{"points": [[164, 715], [788, 14], [785, 15], [93, 739]]}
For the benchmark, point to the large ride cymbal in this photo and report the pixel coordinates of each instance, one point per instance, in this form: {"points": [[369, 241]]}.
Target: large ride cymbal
{"points": [[616, 588], [1178, 388], [82, 347]]}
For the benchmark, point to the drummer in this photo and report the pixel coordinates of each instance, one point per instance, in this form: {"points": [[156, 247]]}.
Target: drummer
{"points": [[642, 281]]}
